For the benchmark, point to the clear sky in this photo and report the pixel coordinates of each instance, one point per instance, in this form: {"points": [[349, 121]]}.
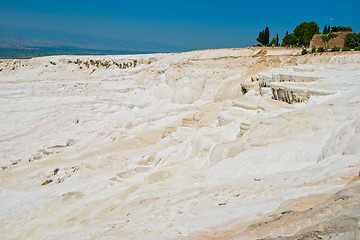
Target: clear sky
{"points": [[191, 24]]}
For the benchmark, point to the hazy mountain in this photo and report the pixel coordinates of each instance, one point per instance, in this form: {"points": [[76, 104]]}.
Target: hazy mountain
{"points": [[12, 38]]}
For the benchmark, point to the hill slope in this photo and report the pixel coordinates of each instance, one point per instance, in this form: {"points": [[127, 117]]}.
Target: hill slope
{"points": [[216, 144]]}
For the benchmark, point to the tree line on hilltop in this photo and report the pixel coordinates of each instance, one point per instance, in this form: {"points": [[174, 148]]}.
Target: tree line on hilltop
{"points": [[305, 31]]}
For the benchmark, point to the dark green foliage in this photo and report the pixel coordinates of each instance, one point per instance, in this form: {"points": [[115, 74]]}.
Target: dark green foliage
{"points": [[313, 50], [329, 30], [259, 45], [273, 42], [325, 31], [283, 44], [335, 49], [321, 49], [326, 38], [352, 40], [346, 49], [305, 31], [261, 38], [341, 29], [277, 39], [267, 35], [264, 37], [303, 52], [357, 48], [290, 39]]}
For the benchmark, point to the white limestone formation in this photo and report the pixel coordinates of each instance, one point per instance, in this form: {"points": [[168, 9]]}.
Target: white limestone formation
{"points": [[195, 145], [296, 93]]}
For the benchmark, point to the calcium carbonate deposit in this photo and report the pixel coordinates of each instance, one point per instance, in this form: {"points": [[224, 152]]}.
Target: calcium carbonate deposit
{"points": [[255, 143]]}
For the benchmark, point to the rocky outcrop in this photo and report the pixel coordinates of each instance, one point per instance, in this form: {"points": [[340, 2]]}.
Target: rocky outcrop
{"points": [[266, 79], [294, 93], [343, 142], [338, 41], [102, 63], [293, 85], [84, 63], [246, 87], [335, 218], [246, 102]]}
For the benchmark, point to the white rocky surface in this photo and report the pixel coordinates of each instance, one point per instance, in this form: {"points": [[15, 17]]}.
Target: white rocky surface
{"points": [[179, 146]]}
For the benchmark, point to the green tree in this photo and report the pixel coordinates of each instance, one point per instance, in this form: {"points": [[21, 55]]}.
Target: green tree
{"points": [[341, 29], [290, 39], [273, 41], [305, 31], [277, 39], [264, 37], [352, 40], [329, 30], [261, 37], [325, 31], [326, 38], [287, 33], [267, 35]]}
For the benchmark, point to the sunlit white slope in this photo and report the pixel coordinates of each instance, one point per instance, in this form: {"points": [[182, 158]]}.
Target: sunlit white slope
{"points": [[163, 146]]}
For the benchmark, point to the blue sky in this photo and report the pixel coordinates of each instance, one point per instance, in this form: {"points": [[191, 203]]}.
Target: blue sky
{"points": [[190, 24]]}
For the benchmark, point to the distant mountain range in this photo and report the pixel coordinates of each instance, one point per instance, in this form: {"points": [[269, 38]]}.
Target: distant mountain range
{"points": [[18, 42]]}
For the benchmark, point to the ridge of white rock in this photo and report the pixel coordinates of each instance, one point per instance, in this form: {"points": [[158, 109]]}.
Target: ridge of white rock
{"points": [[295, 93], [174, 146]]}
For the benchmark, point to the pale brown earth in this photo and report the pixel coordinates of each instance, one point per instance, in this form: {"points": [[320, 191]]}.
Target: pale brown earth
{"points": [[332, 215], [338, 41]]}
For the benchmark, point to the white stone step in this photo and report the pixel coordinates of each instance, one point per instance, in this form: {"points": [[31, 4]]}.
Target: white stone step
{"points": [[294, 93]]}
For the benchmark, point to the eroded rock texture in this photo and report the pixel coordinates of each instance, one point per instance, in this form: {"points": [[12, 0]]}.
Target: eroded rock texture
{"points": [[197, 145]]}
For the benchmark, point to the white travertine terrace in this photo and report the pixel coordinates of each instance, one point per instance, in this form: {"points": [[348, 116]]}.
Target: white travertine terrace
{"points": [[292, 93], [192, 145]]}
